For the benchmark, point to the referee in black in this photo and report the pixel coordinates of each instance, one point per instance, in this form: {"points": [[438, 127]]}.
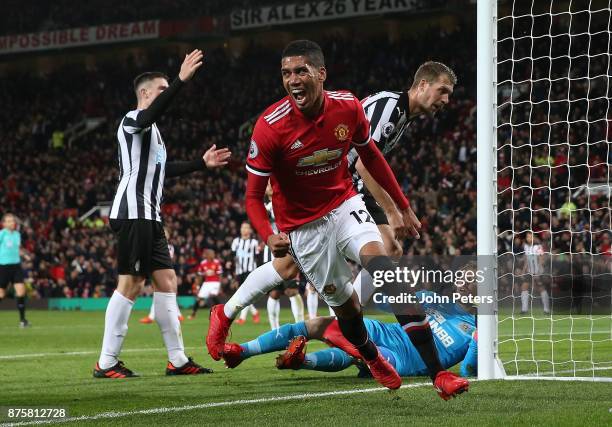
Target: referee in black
{"points": [[10, 264], [136, 221]]}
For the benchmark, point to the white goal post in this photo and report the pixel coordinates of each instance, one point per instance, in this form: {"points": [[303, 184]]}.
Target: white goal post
{"points": [[544, 141], [489, 365]]}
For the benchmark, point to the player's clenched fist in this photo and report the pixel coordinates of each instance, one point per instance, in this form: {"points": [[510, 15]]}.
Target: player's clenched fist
{"points": [[190, 65], [279, 244]]}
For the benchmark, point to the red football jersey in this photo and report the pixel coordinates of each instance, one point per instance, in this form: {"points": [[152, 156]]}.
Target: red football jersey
{"points": [[214, 265], [306, 159]]}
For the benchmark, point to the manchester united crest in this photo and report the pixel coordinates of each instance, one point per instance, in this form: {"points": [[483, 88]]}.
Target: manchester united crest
{"points": [[341, 132]]}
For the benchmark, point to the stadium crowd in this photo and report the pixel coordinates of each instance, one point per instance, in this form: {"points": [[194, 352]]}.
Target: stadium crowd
{"points": [[49, 183]]}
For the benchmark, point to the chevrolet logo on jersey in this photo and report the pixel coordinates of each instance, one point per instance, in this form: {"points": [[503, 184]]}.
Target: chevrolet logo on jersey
{"points": [[319, 158]]}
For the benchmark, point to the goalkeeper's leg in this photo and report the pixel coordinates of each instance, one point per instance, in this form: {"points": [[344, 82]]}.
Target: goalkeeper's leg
{"points": [[257, 284], [275, 340]]}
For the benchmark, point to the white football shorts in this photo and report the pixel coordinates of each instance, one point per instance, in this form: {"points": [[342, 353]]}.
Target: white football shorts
{"points": [[209, 289], [320, 248]]}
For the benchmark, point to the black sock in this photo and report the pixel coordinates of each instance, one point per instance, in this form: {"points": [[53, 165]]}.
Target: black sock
{"points": [[420, 335], [355, 332], [196, 305], [21, 308]]}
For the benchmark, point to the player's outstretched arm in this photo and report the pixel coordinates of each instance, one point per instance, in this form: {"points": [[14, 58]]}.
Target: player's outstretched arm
{"points": [[215, 158], [212, 158], [191, 64]]}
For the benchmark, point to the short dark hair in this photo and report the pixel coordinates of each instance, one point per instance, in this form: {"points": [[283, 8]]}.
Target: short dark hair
{"points": [[145, 77], [430, 71], [306, 48]]}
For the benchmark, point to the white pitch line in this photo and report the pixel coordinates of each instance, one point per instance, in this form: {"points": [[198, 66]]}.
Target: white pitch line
{"points": [[153, 411], [83, 353]]}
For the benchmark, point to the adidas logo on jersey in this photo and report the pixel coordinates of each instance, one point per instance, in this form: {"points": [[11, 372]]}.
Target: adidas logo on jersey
{"points": [[297, 144]]}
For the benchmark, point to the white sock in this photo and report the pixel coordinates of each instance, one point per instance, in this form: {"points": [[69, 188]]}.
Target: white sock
{"points": [[545, 301], [115, 327], [243, 313], [253, 310], [312, 301], [274, 313], [331, 312], [297, 307], [525, 301], [257, 284], [152, 310], [166, 315]]}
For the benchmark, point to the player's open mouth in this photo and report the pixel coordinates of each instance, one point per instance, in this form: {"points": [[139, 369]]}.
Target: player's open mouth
{"points": [[299, 95]]}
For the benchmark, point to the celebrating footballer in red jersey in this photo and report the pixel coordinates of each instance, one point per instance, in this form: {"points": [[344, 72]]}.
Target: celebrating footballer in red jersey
{"points": [[300, 144], [306, 158]]}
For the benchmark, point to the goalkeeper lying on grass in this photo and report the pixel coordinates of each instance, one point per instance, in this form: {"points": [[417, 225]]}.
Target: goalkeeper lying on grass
{"points": [[453, 327]]}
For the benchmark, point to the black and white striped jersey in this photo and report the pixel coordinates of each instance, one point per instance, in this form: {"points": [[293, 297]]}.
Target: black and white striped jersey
{"points": [[388, 114], [244, 252], [142, 160]]}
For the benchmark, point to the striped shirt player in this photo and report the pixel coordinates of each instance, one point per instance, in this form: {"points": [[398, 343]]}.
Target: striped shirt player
{"points": [[245, 249], [136, 220], [389, 116], [135, 214], [142, 161]]}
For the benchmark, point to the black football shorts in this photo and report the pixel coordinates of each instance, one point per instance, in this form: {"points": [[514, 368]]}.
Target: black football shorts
{"points": [[142, 247]]}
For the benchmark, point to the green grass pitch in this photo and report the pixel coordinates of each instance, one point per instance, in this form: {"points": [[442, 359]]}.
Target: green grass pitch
{"points": [[50, 365]]}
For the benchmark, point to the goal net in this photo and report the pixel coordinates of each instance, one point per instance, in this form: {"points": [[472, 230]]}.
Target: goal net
{"points": [[553, 126]]}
